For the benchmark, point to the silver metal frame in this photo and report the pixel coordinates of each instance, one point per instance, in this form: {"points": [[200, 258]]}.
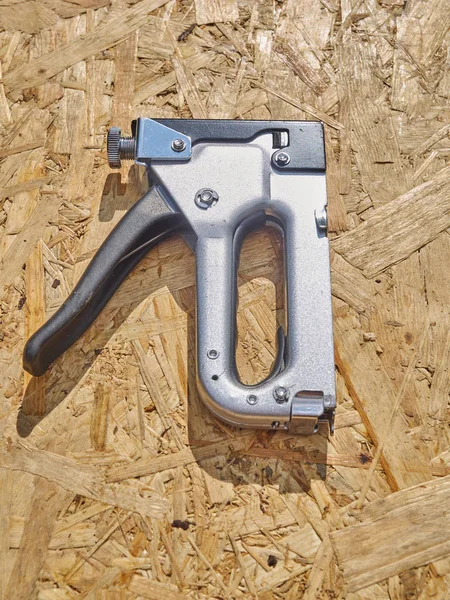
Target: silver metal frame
{"points": [[244, 179]]}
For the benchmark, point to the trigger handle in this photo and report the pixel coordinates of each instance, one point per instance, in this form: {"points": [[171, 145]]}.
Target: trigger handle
{"points": [[149, 221]]}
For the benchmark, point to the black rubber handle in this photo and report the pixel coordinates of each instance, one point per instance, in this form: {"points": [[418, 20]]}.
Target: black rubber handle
{"points": [[149, 221]]}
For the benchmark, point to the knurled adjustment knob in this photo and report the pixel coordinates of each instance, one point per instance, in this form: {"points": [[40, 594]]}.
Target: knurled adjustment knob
{"points": [[113, 147], [119, 147]]}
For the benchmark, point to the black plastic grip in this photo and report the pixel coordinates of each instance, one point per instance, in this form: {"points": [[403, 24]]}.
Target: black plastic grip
{"points": [[149, 221]]}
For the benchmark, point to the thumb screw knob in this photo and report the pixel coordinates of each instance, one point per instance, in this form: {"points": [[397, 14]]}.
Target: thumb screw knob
{"points": [[119, 147]]}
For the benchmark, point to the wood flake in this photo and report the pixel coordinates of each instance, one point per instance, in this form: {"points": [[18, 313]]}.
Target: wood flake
{"points": [[178, 459], [35, 539], [30, 18], [5, 113], [319, 569], [360, 366], [154, 590], [5, 504], [82, 480], [216, 11], [189, 89], [104, 36], [23, 244], [413, 517], [34, 387], [394, 231]]}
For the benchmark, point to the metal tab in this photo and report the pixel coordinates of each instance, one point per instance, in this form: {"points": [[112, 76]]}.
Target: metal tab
{"points": [[306, 408], [155, 141]]}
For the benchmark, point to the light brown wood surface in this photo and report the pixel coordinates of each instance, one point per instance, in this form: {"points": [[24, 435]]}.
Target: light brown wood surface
{"points": [[115, 481]]}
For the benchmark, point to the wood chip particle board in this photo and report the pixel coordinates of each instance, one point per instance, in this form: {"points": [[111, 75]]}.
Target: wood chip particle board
{"points": [[23, 244], [400, 532], [30, 17], [116, 29], [216, 11], [116, 481], [46, 502], [82, 480], [397, 229], [374, 396]]}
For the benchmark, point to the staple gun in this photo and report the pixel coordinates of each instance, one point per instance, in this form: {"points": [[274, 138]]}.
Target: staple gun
{"points": [[215, 181]]}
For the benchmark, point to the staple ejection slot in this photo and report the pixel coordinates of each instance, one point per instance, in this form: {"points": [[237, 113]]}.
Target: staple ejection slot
{"points": [[280, 139]]}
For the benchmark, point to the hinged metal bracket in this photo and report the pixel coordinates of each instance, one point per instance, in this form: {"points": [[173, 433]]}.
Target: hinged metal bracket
{"points": [[155, 141]]}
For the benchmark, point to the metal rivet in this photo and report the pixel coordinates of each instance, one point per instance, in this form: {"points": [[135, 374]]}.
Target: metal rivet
{"points": [[281, 394], [213, 354], [282, 159], [252, 399], [206, 197], [178, 145], [321, 217]]}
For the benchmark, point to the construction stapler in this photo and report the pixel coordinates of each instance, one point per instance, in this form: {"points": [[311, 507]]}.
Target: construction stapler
{"points": [[215, 181]]}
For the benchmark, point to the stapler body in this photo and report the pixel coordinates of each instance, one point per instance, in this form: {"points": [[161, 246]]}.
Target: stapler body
{"points": [[215, 181]]}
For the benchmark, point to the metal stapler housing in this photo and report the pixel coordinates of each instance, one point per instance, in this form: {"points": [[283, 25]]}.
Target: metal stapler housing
{"points": [[215, 181]]}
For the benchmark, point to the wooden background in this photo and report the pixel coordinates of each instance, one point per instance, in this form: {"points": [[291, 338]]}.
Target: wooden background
{"points": [[115, 482]]}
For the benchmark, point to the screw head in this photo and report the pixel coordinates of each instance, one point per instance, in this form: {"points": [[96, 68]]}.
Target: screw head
{"points": [[213, 354], [178, 145], [282, 159], [281, 394], [252, 399], [206, 197]]}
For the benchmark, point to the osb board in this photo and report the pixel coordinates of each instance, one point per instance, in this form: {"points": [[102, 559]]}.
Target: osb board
{"points": [[115, 481]]}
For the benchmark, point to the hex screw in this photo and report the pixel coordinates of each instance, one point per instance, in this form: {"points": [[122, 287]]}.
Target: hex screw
{"points": [[213, 354], [206, 197], [281, 394], [282, 159], [178, 145], [252, 399]]}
